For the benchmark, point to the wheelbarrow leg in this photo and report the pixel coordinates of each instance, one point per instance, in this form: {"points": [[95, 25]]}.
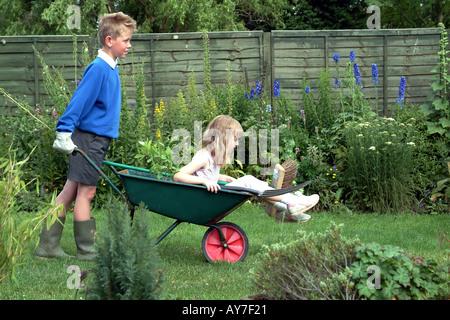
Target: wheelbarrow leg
{"points": [[169, 230], [222, 237], [132, 209]]}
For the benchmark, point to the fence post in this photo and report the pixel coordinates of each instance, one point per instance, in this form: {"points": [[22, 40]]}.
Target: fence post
{"points": [[152, 74], [266, 55], [36, 74], [385, 75]]}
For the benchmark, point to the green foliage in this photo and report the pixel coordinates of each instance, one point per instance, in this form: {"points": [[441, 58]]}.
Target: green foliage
{"points": [[33, 128], [429, 162], [18, 229], [379, 164], [439, 109], [315, 133], [126, 264], [50, 17], [325, 15], [316, 266], [400, 275], [157, 157], [328, 266], [411, 13]]}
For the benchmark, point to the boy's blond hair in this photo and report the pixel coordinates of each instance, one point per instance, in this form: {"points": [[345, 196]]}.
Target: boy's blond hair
{"points": [[219, 135], [113, 25]]}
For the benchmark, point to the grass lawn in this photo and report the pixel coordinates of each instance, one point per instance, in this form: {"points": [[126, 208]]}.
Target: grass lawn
{"points": [[187, 274]]}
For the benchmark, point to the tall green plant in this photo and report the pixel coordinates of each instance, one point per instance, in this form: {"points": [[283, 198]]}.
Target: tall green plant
{"points": [[379, 165], [439, 109], [209, 104], [18, 230]]}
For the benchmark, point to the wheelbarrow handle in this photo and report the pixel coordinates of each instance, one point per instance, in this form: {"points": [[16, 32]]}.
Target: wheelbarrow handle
{"points": [[267, 193], [102, 174], [124, 166]]}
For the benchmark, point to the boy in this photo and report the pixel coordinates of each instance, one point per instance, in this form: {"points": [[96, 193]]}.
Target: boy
{"points": [[90, 121]]}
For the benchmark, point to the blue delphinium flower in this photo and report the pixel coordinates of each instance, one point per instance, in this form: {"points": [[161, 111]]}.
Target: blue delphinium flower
{"points": [[374, 74], [336, 57], [357, 74], [268, 108], [276, 88], [352, 56], [337, 82], [401, 91], [258, 87], [252, 94], [246, 95], [307, 90]]}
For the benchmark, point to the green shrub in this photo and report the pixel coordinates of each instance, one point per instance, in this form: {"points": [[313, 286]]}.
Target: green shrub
{"points": [[126, 264], [329, 267], [316, 266], [379, 158], [400, 276], [429, 165]]}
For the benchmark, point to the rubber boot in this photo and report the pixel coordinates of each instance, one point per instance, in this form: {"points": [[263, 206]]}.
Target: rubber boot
{"points": [[84, 233], [49, 244]]}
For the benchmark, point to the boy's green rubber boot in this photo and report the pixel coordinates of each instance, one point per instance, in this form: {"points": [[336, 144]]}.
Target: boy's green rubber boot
{"points": [[84, 232], [49, 244]]}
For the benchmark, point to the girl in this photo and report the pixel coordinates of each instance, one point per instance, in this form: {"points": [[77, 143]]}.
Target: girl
{"points": [[218, 143]]}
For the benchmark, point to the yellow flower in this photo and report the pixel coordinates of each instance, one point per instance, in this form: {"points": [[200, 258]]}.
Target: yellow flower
{"points": [[158, 134]]}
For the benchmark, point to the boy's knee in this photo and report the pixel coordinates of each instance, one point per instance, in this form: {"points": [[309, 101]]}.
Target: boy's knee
{"points": [[87, 191]]}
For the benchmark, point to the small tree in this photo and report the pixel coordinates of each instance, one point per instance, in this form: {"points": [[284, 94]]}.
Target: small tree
{"points": [[126, 265]]}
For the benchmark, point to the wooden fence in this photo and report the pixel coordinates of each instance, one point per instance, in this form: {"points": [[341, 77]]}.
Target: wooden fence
{"points": [[169, 59]]}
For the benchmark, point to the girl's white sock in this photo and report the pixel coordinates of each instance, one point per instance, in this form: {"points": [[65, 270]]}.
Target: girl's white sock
{"points": [[279, 206], [289, 198]]}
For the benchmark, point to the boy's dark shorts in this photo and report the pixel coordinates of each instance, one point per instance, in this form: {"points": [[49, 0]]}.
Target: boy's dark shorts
{"points": [[96, 147]]}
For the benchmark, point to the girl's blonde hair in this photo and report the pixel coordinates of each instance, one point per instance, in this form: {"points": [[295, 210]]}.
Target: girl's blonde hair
{"points": [[219, 135], [113, 25]]}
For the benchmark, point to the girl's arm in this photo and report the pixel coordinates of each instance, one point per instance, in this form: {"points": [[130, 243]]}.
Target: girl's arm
{"points": [[185, 174]]}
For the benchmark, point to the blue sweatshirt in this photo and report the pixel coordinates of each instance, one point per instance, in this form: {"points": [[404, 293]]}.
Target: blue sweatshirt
{"points": [[95, 104]]}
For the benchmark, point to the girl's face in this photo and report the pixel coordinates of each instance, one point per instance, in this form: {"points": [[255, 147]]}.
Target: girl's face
{"points": [[233, 140]]}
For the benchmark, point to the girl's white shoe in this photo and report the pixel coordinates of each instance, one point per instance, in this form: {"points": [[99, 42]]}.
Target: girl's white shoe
{"points": [[302, 204], [286, 217]]}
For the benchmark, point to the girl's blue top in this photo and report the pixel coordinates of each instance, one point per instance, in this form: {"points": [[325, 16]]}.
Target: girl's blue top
{"points": [[95, 104]]}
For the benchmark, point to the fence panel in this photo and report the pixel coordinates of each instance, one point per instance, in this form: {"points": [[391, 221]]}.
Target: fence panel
{"points": [[404, 52], [168, 60]]}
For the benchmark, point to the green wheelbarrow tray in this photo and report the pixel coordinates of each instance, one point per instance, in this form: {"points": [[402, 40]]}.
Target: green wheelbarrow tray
{"points": [[188, 203]]}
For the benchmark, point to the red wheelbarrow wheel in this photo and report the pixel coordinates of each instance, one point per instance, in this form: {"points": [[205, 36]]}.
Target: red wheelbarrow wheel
{"points": [[235, 247]]}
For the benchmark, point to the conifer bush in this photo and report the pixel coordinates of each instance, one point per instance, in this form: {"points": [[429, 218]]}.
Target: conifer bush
{"points": [[126, 264]]}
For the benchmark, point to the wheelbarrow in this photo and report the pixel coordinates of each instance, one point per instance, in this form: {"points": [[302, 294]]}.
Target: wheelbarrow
{"points": [[223, 241]]}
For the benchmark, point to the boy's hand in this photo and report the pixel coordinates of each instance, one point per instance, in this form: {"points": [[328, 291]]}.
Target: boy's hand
{"points": [[63, 142]]}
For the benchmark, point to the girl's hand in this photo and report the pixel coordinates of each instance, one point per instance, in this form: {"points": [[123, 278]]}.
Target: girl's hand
{"points": [[225, 178], [211, 186]]}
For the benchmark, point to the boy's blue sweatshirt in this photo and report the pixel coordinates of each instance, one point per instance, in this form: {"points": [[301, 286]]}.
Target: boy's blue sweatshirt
{"points": [[95, 104]]}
